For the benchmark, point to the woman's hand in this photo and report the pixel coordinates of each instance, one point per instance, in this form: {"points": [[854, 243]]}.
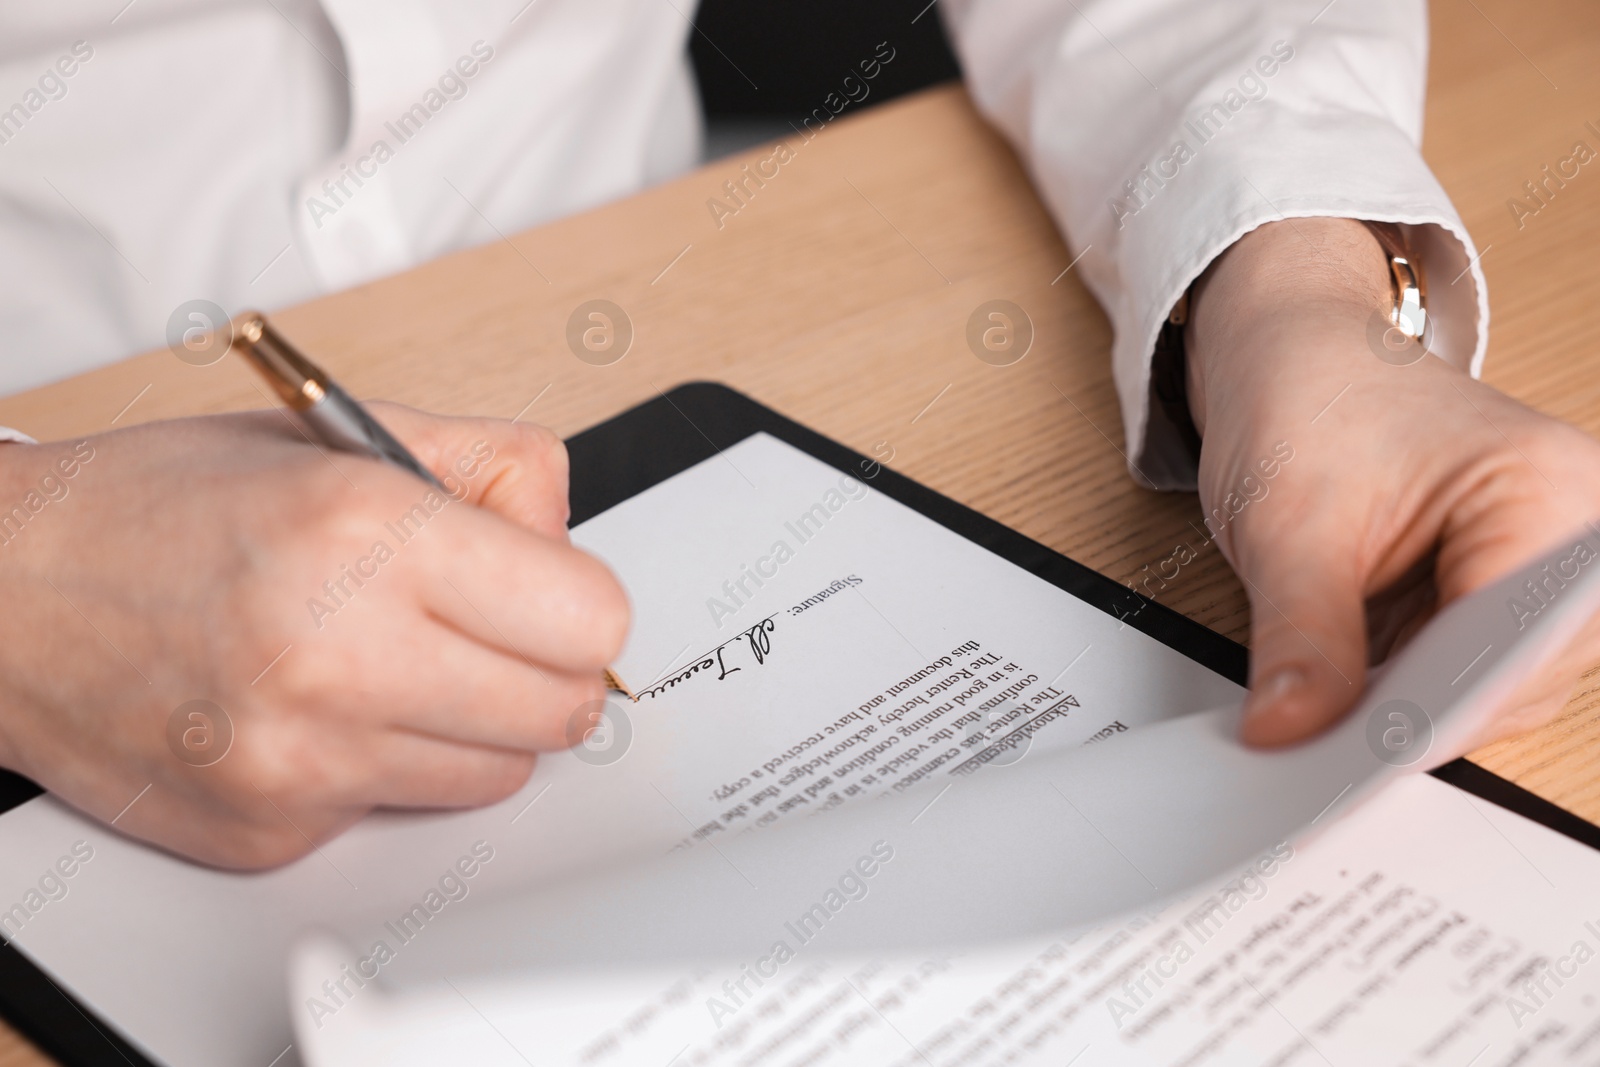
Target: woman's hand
{"points": [[357, 638], [1409, 486]]}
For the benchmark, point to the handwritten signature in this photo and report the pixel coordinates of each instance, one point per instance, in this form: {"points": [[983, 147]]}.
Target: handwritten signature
{"points": [[757, 640]]}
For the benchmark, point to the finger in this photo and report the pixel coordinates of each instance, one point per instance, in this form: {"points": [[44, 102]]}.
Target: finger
{"points": [[394, 665], [472, 694], [1308, 642], [273, 832], [274, 822], [426, 772], [288, 782], [526, 596], [320, 772], [515, 469]]}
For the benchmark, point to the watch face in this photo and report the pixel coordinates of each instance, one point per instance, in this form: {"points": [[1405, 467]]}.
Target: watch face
{"points": [[1401, 333], [1393, 337]]}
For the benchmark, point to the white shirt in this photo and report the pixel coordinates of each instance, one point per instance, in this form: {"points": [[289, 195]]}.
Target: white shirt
{"points": [[259, 152]]}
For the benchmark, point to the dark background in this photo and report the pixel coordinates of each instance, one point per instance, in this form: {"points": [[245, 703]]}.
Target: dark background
{"points": [[796, 53]]}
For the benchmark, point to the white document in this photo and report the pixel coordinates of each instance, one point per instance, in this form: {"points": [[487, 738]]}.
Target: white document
{"points": [[1426, 927], [803, 643], [1423, 923]]}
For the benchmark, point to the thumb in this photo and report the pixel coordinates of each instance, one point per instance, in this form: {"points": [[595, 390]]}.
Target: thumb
{"points": [[1308, 641]]}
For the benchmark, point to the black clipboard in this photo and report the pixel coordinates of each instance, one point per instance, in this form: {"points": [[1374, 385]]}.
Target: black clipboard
{"points": [[643, 446]]}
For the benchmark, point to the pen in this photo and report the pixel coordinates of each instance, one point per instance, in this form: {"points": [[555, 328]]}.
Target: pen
{"points": [[329, 415]]}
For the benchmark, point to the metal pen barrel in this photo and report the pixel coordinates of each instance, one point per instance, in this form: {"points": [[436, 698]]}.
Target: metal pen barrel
{"points": [[329, 414]]}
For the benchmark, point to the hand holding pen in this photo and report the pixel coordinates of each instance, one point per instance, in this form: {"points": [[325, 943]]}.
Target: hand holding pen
{"points": [[331, 416], [265, 640]]}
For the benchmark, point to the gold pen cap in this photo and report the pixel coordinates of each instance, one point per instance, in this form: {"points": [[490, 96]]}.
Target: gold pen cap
{"points": [[297, 380]]}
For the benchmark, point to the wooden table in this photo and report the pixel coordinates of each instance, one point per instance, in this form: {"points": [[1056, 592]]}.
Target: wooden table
{"points": [[840, 293]]}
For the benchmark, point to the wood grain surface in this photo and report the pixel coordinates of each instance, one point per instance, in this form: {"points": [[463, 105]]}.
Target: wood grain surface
{"points": [[840, 294]]}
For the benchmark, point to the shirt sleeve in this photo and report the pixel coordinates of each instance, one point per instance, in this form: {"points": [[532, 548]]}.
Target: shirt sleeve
{"points": [[8, 434], [1161, 131]]}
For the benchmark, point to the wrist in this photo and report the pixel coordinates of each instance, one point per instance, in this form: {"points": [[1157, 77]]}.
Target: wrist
{"points": [[35, 480], [1255, 308], [14, 485]]}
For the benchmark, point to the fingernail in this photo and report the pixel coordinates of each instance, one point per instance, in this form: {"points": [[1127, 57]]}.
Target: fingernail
{"points": [[1273, 689]]}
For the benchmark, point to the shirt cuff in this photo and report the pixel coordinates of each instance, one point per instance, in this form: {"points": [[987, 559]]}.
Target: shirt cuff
{"points": [[1269, 166]]}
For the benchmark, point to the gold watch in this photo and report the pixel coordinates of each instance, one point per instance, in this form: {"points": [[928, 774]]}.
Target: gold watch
{"points": [[1407, 315], [1408, 285]]}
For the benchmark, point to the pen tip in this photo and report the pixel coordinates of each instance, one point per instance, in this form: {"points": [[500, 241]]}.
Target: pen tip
{"points": [[616, 684]]}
